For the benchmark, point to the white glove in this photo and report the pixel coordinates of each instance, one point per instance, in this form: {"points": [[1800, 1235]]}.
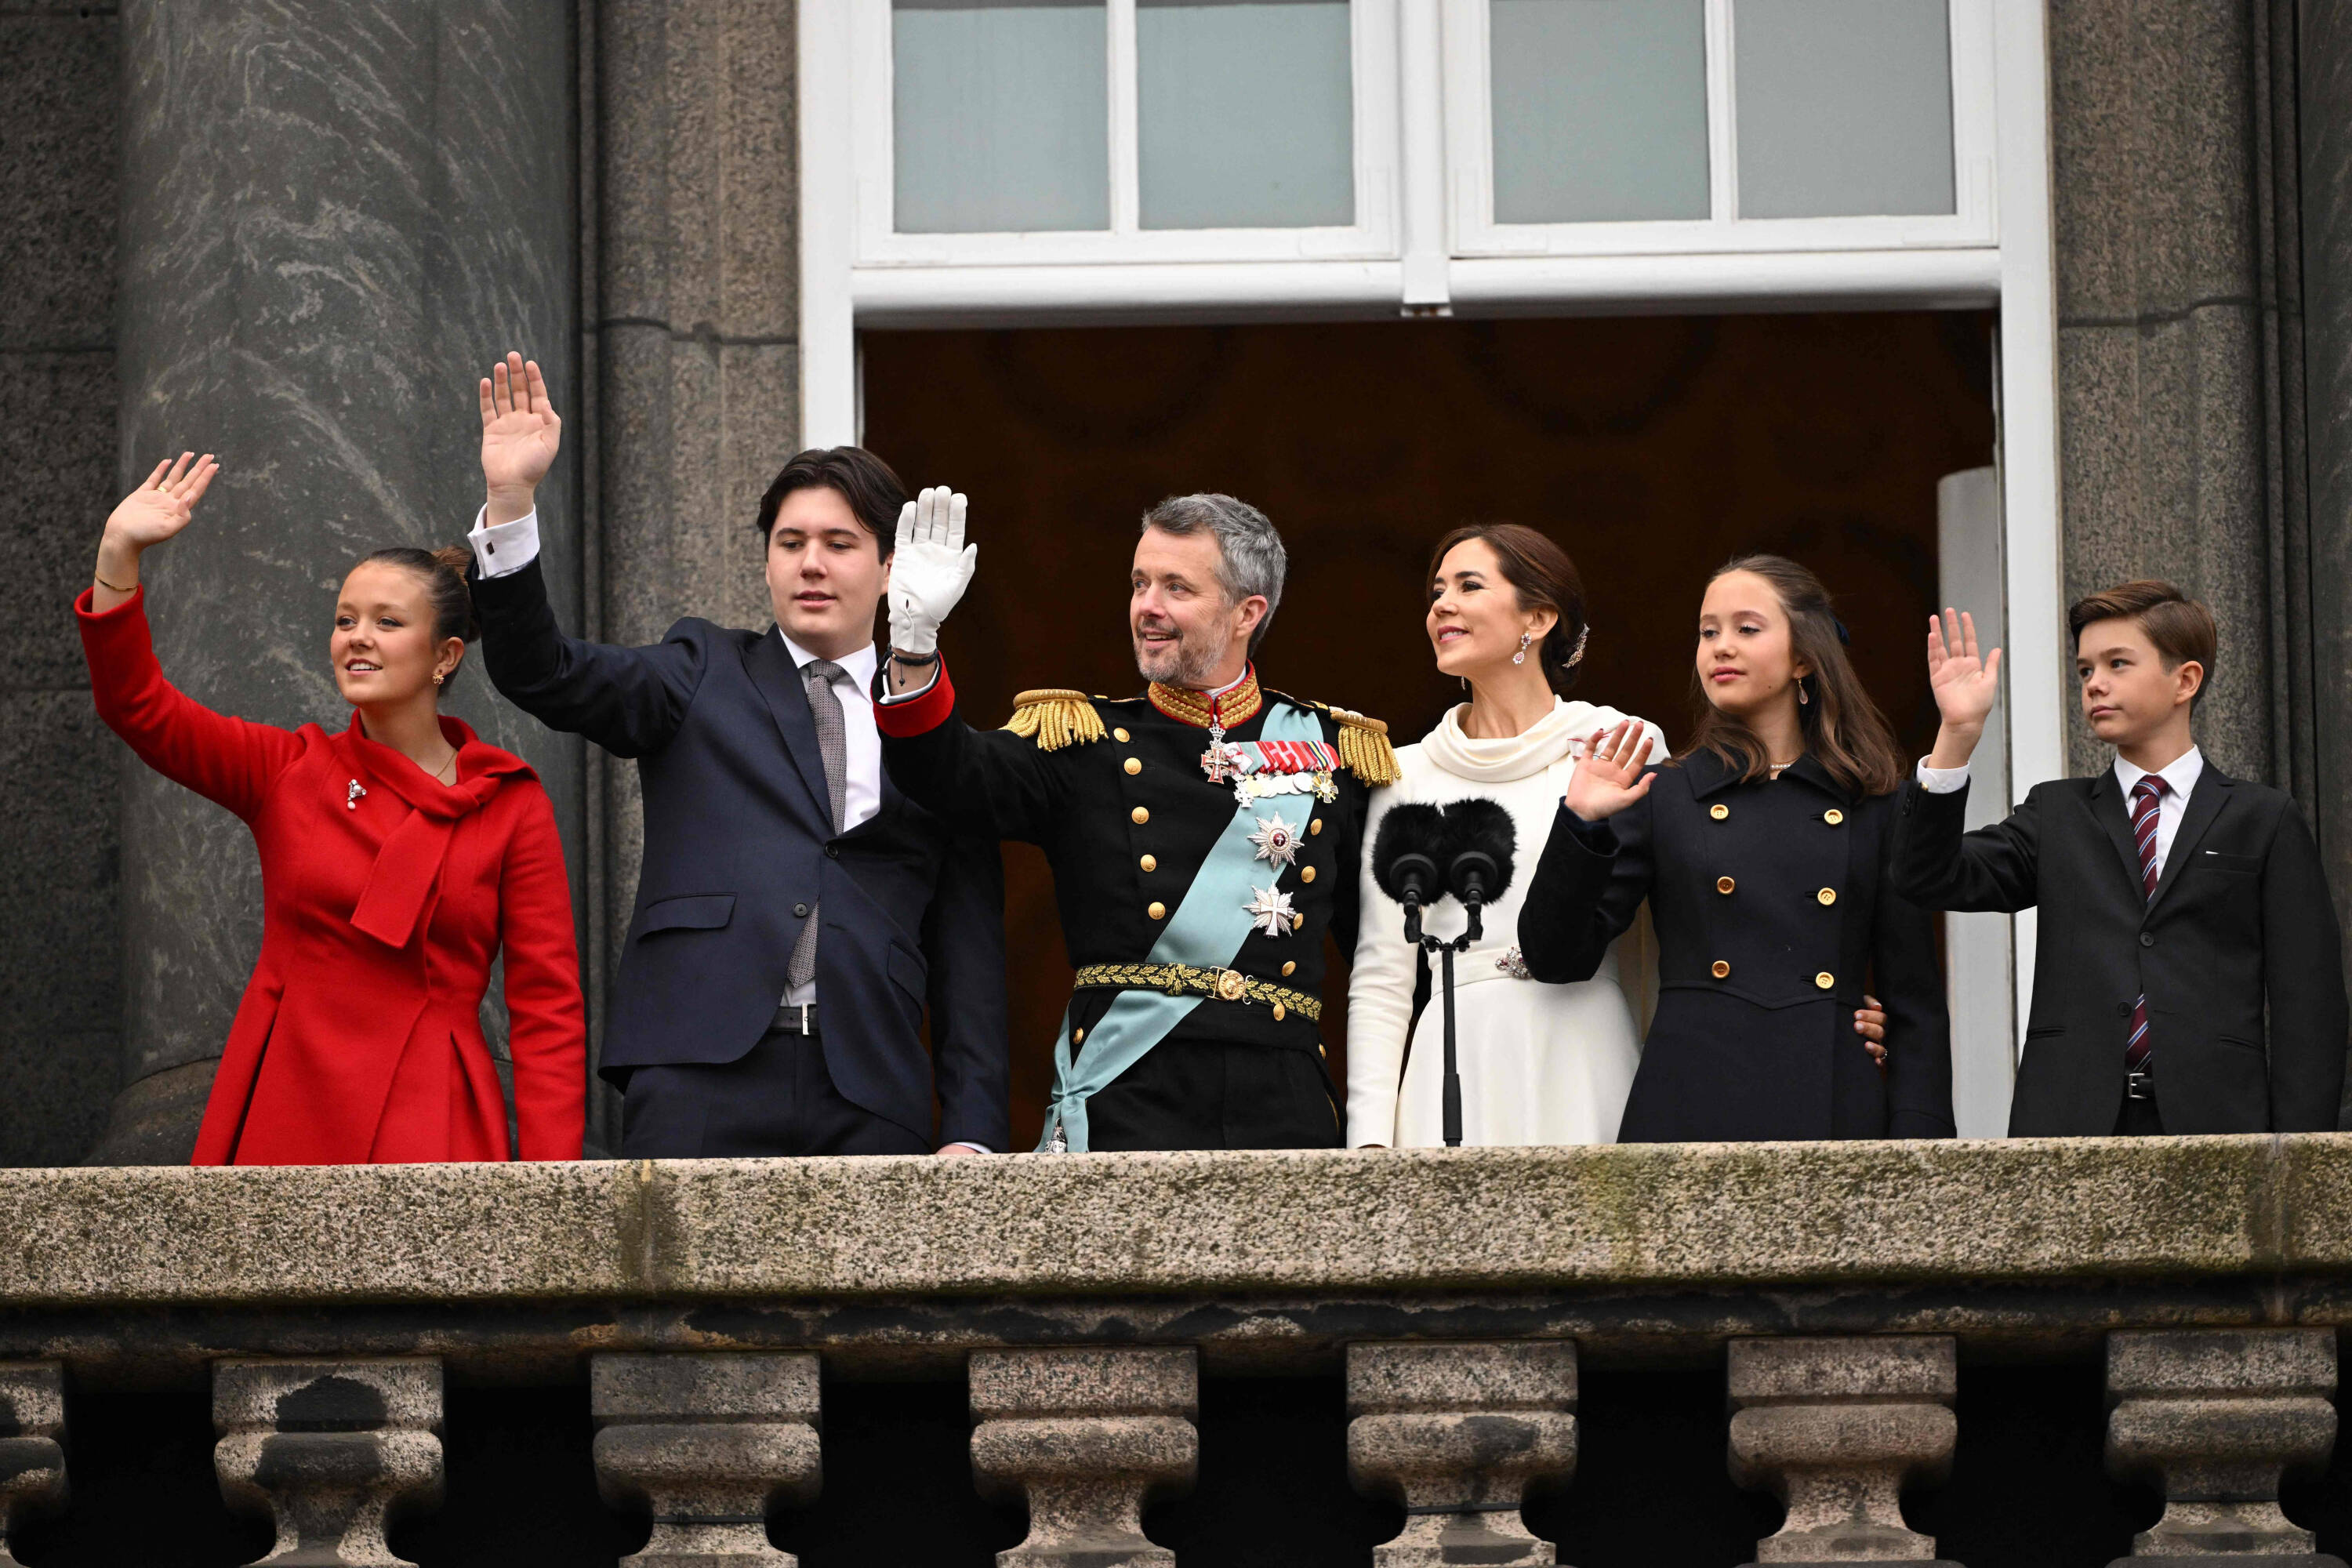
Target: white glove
{"points": [[929, 569]]}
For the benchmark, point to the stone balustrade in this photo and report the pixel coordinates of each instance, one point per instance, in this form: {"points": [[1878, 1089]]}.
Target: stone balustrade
{"points": [[1837, 1290]]}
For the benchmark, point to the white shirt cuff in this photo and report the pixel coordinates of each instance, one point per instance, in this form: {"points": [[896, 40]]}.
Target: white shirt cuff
{"points": [[506, 548], [1942, 781], [889, 697], [975, 1147]]}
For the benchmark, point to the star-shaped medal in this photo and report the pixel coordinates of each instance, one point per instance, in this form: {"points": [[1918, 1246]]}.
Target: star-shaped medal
{"points": [[1270, 911], [1276, 840]]}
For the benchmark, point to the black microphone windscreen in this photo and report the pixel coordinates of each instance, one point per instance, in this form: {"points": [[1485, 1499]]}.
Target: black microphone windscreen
{"points": [[1477, 823], [1409, 828]]}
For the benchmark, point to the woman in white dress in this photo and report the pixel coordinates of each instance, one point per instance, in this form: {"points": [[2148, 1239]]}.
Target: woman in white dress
{"points": [[1540, 1064]]}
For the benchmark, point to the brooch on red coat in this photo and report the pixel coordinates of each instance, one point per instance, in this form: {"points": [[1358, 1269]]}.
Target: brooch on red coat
{"points": [[351, 800]]}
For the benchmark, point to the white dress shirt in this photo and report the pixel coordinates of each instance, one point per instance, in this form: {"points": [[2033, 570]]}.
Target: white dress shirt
{"points": [[2180, 776]]}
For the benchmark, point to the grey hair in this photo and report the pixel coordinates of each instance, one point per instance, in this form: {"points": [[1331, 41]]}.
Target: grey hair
{"points": [[1250, 557]]}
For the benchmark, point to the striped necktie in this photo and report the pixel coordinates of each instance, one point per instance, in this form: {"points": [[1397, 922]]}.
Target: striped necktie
{"points": [[2146, 796]]}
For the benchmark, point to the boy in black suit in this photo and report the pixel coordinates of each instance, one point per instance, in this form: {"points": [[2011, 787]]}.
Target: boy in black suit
{"points": [[2177, 904]]}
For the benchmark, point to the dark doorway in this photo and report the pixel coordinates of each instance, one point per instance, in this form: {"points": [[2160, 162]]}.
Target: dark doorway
{"points": [[1652, 449]]}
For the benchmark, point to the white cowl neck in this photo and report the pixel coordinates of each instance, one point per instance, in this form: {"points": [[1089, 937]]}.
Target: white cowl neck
{"points": [[1541, 745]]}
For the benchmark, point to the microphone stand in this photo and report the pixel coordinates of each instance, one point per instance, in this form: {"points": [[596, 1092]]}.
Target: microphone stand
{"points": [[1446, 951]]}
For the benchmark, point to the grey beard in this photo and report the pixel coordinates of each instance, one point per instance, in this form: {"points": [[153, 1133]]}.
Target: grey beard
{"points": [[1194, 665]]}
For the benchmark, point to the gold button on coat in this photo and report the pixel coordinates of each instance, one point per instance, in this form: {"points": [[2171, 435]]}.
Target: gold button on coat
{"points": [[1134, 765], [1827, 895], [1158, 911], [1077, 1036], [1288, 965], [1824, 980], [1119, 735], [1307, 874], [1138, 816], [1718, 811], [1280, 1012], [1297, 923], [1720, 970], [1316, 825], [1150, 862], [1724, 884], [1833, 817]]}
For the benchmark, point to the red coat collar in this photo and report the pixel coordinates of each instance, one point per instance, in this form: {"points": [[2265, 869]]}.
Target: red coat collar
{"points": [[410, 860]]}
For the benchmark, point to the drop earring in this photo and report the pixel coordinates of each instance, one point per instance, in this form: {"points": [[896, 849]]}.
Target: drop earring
{"points": [[1801, 697], [1521, 656]]}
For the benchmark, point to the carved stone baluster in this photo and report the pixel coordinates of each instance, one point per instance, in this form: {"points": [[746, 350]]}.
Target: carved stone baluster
{"points": [[1834, 1428], [331, 1450], [1456, 1432], [1088, 1437], [707, 1443], [32, 1445], [2215, 1418]]}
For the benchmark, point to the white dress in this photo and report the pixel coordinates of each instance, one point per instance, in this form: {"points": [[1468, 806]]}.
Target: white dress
{"points": [[1540, 1064]]}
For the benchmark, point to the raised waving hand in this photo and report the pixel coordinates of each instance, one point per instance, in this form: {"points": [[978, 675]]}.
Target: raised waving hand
{"points": [[1609, 778], [931, 567], [155, 511], [521, 434], [1965, 685]]}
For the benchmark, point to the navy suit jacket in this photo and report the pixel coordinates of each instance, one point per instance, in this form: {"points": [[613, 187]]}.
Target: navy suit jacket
{"points": [[739, 847]]}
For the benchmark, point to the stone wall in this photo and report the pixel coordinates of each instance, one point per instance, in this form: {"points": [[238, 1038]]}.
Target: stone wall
{"points": [[61, 961]]}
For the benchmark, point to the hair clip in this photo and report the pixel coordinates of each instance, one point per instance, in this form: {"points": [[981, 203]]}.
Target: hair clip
{"points": [[1845, 638], [1576, 654]]}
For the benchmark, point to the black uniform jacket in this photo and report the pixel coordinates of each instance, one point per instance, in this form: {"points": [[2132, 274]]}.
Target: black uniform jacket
{"points": [[739, 849], [2239, 919], [1125, 821], [1773, 915]]}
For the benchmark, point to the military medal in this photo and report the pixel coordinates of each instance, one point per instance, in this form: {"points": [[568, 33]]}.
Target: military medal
{"points": [[1270, 911], [1276, 840], [1221, 761]]}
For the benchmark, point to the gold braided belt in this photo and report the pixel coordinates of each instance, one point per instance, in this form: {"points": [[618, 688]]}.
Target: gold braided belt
{"points": [[1225, 985]]}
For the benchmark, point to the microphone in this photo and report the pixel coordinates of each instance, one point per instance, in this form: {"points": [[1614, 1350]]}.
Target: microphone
{"points": [[1480, 843], [1404, 859]]}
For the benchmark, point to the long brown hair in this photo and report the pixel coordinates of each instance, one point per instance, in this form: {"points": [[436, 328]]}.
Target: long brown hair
{"points": [[1545, 579], [1844, 729]]}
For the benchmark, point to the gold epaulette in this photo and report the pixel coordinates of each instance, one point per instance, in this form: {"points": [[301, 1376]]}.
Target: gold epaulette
{"points": [[1055, 717], [1364, 749]]}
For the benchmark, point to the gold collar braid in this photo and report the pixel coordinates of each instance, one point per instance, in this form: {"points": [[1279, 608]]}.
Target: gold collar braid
{"points": [[1234, 708]]}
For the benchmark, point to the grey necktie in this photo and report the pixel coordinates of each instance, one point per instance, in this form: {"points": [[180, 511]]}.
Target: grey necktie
{"points": [[833, 744]]}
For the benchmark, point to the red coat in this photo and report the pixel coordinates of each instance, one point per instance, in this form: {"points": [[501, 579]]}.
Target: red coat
{"points": [[385, 895]]}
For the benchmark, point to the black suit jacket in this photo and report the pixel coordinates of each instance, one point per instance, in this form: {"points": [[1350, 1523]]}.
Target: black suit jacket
{"points": [[2240, 920], [739, 846]]}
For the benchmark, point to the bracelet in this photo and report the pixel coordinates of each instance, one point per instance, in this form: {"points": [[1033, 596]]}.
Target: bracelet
{"points": [[104, 584], [896, 656]]}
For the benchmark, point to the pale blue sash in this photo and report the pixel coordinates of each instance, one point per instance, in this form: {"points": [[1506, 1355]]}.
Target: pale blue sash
{"points": [[1205, 933]]}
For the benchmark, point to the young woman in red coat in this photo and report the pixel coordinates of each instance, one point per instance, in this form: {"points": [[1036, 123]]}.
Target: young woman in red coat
{"points": [[398, 859]]}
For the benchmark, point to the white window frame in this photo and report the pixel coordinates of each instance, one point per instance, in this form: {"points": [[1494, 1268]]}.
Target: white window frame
{"points": [[1373, 234], [1470, 162], [2003, 62]]}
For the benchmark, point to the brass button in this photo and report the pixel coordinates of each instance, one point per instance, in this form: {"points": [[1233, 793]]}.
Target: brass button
{"points": [[1158, 911], [1280, 1013], [1150, 862], [1288, 967], [1138, 816], [1316, 825], [1298, 921], [1724, 884], [1721, 970], [1718, 811], [1322, 1052], [1307, 873], [1118, 735], [1077, 1036], [1134, 766], [1824, 980], [1833, 817], [1827, 895]]}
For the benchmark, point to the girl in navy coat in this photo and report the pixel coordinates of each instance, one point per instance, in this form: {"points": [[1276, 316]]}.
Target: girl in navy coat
{"points": [[1762, 850]]}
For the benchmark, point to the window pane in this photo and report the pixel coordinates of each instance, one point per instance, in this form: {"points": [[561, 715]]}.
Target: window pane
{"points": [[1600, 110], [1002, 114], [1846, 107], [1247, 113]]}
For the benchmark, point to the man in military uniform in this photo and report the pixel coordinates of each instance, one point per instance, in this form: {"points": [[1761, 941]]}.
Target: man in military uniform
{"points": [[1203, 834]]}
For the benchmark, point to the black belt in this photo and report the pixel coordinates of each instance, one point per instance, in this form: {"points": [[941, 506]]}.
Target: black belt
{"points": [[2139, 1085], [792, 1019]]}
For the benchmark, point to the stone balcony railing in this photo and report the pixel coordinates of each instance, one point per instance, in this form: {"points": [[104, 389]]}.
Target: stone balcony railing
{"points": [[1838, 1288]]}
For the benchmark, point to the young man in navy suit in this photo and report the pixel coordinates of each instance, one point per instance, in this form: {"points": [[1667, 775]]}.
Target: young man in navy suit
{"points": [[796, 915], [2188, 969]]}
